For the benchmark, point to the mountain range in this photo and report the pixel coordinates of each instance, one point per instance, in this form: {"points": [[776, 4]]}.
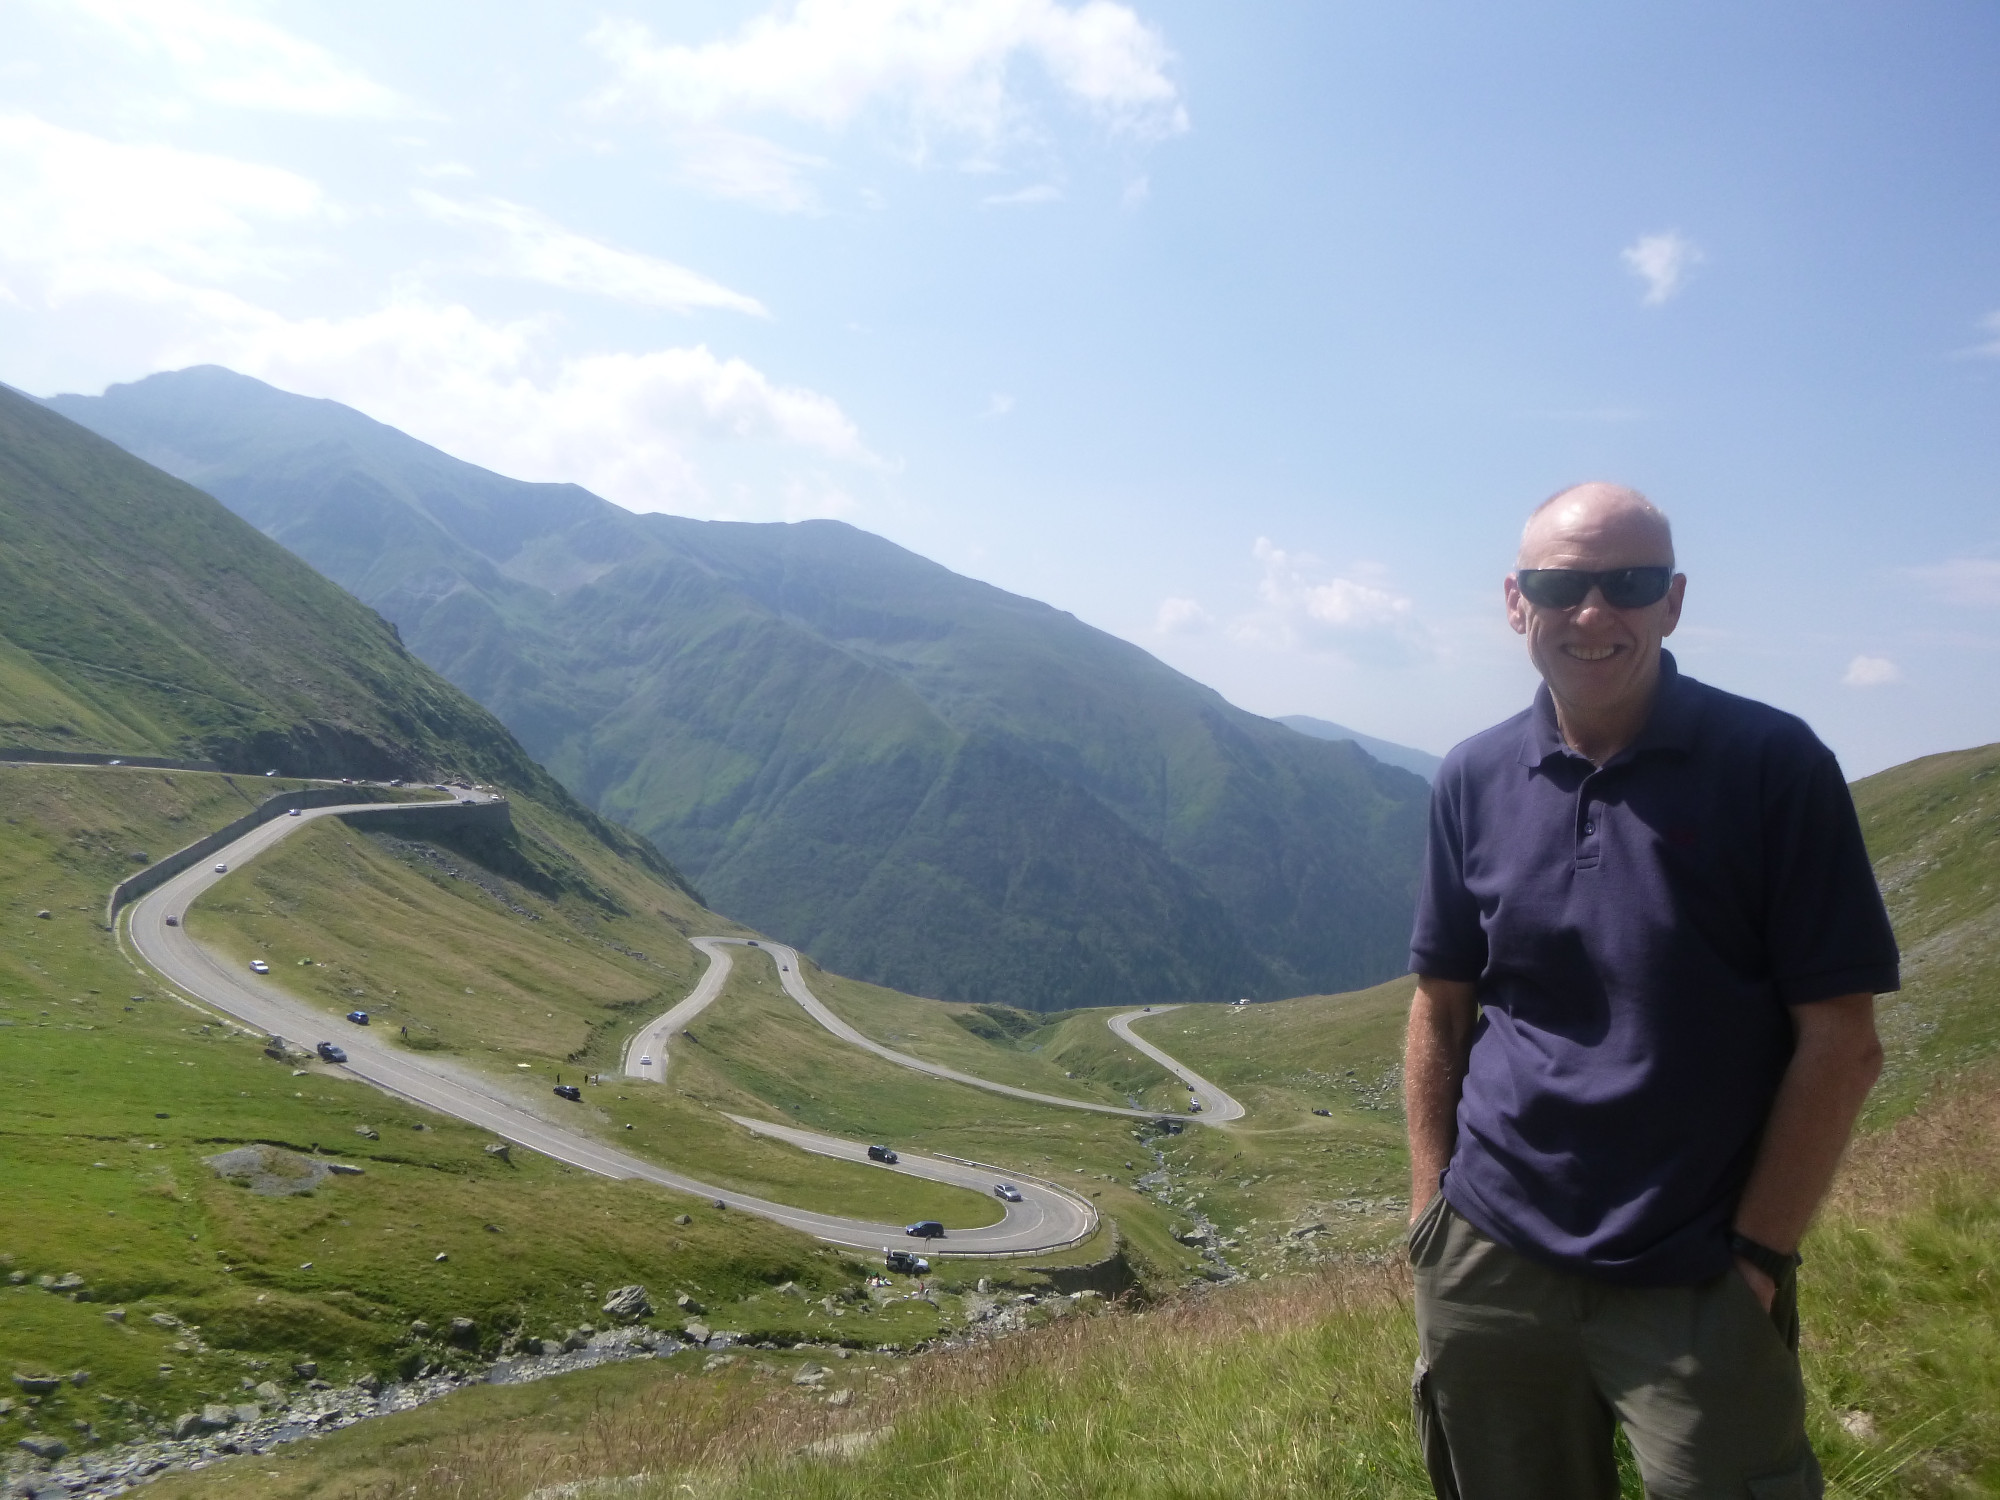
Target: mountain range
{"points": [[924, 780]]}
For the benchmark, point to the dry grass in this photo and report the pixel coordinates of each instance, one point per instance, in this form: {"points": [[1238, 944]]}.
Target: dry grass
{"points": [[1954, 1135]]}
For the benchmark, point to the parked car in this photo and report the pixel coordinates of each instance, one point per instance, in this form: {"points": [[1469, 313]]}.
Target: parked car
{"points": [[258, 966], [882, 1153], [330, 1053], [172, 920], [570, 1092], [358, 1017], [906, 1261], [1194, 1106], [1327, 1112], [1006, 1192], [925, 1229], [222, 869]]}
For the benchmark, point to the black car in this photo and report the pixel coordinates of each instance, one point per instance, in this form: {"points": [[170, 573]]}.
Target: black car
{"points": [[358, 1017], [882, 1153], [569, 1091], [330, 1053], [906, 1261], [925, 1229]]}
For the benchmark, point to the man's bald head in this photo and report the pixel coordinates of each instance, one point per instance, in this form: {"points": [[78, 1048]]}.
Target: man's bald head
{"points": [[1600, 510]]}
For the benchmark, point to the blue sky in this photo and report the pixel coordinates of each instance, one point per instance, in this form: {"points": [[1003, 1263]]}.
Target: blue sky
{"points": [[1248, 333]]}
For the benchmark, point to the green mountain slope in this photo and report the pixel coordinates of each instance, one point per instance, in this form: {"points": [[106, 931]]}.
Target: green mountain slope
{"points": [[138, 615], [928, 782]]}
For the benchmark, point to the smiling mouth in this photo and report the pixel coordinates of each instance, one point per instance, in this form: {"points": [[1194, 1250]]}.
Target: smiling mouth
{"points": [[1590, 653]]}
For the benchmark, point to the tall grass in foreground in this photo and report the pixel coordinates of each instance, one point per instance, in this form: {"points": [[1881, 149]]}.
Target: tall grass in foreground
{"points": [[1298, 1387]]}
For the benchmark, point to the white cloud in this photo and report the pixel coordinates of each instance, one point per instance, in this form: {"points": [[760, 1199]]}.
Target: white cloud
{"points": [[1662, 261], [1973, 581], [747, 169], [945, 62], [1871, 671], [536, 248], [1137, 191], [997, 405], [660, 430], [225, 54], [934, 67], [1361, 616], [1181, 617], [79, 213]]}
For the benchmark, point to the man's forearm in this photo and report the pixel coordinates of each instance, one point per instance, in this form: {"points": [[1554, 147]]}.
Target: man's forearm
{"points": [[1835, 1063], [1434, 1058]]}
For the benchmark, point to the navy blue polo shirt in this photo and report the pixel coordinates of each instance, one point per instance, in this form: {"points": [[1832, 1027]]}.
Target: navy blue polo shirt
{"points": [[1636, 932]]}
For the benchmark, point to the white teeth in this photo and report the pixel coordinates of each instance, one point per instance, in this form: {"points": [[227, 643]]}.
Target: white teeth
{"points": [[1590, 653]]}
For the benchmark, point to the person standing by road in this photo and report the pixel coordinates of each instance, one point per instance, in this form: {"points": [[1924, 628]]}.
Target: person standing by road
{"points": [[1647, 947]]}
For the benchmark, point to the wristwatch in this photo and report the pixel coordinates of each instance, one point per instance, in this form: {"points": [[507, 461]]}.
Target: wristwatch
{"points": [[1773, 1263]]}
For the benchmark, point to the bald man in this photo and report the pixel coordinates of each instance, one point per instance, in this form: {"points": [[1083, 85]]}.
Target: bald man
{"points": [[1647, 948]]}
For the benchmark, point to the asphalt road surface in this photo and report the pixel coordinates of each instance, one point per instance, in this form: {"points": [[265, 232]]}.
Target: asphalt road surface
{"points": [[1217, 1107], [646, 1054], [1050, 1220], [788, 972]]}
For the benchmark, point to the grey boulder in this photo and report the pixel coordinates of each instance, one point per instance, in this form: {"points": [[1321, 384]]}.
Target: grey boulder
{"points": [[628, 1304]]}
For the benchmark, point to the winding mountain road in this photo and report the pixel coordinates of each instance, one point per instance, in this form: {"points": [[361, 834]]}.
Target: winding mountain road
{"points": [[646, 1057], [1047, 1218], [1217, 1107]]}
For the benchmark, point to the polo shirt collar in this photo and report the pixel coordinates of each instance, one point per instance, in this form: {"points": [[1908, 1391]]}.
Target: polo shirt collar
{"points": [[1670, 726]]}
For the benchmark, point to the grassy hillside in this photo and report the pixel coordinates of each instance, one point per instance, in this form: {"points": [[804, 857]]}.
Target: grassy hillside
{"points": [[1933, 829], [927, 782], [117, 1094]]}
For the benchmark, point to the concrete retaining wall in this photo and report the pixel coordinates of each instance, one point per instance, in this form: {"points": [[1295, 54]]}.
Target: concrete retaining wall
{"points": [[417, 818], [154, 875], [1110, 1277]]}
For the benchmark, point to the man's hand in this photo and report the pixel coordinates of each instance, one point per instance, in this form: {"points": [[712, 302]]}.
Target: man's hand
{"points": [[1434, 1057], [1765, 1288]]}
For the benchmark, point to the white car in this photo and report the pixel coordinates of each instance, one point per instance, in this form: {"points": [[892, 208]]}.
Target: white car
{"points": [[222, 869], [258, 966], [645, 1062]]}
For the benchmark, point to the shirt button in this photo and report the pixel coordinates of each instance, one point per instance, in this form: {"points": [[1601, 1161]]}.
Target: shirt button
{"points": [[1590, 828]]}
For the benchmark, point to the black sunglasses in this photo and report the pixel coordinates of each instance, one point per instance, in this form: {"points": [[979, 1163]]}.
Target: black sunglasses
{"points": [[1566, 588]]}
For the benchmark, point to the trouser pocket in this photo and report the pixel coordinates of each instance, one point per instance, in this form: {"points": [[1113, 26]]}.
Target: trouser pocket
{"points": [[1420, 1233], [1430, 1434]]}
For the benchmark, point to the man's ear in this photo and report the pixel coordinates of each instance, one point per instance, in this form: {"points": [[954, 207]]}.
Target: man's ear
{"points": [[1517, 605], [1676, 592]]}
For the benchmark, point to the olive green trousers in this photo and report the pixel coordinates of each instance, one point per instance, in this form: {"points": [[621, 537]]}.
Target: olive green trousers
{"points": [[1525, 1371]]}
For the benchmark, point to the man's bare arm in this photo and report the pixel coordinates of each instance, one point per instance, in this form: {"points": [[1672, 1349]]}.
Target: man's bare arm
{"points": [[1434, 1057], [1835, 1063]]}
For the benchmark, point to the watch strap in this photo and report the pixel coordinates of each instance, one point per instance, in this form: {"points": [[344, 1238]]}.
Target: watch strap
{"points": [[1773, 1263]]}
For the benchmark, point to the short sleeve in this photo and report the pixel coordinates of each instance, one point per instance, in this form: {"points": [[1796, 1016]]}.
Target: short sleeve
{"points": [[1448, 940], [1826, 929]]}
